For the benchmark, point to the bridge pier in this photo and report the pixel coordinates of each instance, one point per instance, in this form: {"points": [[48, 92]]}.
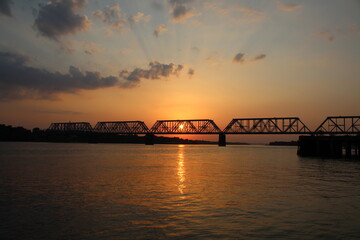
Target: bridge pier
{"points": [[222, 140], [149, 139], [328, 146]]}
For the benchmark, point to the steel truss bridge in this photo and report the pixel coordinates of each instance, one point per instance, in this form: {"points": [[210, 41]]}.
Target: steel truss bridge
{"points": [[339, 125]]}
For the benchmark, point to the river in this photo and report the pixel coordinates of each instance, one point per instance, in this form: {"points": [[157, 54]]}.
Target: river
{"points": [[124, 191]]}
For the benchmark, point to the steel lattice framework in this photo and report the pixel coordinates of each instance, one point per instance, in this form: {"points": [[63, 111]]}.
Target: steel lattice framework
{"points": [[71, 127], [200, 126], [291, 125], [340, 125], [122, 127]]}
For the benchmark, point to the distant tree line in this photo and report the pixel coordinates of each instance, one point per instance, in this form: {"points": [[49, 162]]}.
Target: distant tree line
{"points": [[10, 133]]}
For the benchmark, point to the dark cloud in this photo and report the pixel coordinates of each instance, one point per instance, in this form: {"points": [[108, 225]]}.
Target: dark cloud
{"points": [[259, 57], [156, 71], [20, 81], [180, 11], [58, 18], [239, 58], [5, 7]]}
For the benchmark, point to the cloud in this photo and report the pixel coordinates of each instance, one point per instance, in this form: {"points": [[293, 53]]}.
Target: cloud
{"points": [[20, 81], [239, 58], [237, 13], [248, 11], [159, 30], [214, 59], [259, 57], [326, 35], [191, 72], [17, 80], [353, 29], [139, 17], [5, 7], [156, 71], [195, 49], [112, 17], [71, 46], [179, 10], [287, 7], [58, 18], [157, 5], [90, 48]]}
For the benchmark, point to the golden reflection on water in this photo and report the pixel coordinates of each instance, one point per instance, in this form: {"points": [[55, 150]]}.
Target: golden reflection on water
{"points": [[181, 169]]}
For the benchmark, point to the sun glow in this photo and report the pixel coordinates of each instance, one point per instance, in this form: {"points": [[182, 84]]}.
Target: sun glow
{"points": [[181, 127]]}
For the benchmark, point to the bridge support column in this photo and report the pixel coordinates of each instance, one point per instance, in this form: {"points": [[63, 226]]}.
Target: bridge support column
{"points": [[149, 139], [348, 149], [222, 140]]}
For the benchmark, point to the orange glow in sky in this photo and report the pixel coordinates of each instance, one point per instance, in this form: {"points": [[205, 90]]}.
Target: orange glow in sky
{"points": [[139, 60]]}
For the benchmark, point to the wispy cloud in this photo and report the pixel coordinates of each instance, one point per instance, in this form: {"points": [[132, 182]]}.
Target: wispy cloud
{"points": [[59, 18], [287, 7], [139, 17], [72, 46], [159, 30], [214, 59], [191, 72], [240, 58], [112, 17], [237, 13], [259, 57], [326, 35]]}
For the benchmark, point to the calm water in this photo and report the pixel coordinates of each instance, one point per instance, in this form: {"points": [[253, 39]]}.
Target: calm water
{"points": [[109, 191]]}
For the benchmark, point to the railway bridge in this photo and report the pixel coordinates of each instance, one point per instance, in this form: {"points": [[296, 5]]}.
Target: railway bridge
{"points": [[329, 137]]}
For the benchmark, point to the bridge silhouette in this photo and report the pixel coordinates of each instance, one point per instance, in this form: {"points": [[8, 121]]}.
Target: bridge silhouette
{"points": [[336, 125], [289, 125], [329, 139]]}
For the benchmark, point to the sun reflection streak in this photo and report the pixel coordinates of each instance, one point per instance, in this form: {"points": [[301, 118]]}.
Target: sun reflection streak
{"points": [[181, 169]]}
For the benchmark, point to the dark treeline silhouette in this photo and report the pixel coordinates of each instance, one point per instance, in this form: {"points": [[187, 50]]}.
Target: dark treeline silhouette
{"points": [[10, 133]]}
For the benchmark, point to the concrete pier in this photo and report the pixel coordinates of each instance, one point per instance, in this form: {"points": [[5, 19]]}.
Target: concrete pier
{"points": [[149, 139], [222, 140], [329, 146]]}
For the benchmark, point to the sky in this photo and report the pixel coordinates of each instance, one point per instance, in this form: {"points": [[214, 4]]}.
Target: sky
{"points": [[148, 60]]}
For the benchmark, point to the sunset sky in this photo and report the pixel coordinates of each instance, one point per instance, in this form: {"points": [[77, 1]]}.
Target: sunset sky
{"points": [[148, 60]]}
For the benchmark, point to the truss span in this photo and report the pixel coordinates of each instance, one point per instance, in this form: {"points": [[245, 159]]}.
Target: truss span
{"points": [[71, 127], [339, 125], [196, 126], [122, 127], [290, 125]]}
